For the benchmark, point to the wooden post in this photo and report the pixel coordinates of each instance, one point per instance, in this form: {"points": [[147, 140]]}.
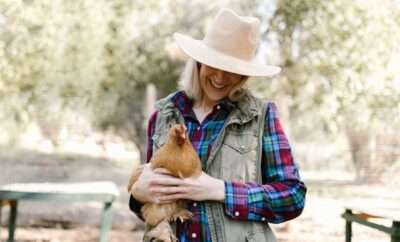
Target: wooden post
{"points": [[12, 220], [348, 226], [1, 208], [151, 98], [106, 222], [396, 231]]}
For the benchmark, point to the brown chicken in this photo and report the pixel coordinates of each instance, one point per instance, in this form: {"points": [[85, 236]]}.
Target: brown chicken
{"points": [[178, 156]]}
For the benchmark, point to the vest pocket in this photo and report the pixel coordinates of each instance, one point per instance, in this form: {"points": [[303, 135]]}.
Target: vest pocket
{"points": [[258, 237], [260, 233], [250, 238], [238, 157], [238, 146]]}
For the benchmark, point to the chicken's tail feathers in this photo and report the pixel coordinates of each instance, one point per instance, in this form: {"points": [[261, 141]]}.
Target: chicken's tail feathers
{"points": [[134, 176]]}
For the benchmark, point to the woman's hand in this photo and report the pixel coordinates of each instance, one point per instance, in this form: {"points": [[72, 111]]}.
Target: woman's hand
{"points": [[158, 186], [202, 188], [141, 191]]}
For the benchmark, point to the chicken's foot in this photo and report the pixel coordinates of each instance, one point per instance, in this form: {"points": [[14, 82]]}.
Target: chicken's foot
{"points": [[162, 233]]}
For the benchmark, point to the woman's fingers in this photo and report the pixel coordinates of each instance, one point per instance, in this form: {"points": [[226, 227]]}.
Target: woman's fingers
{"points": [[172, 197], [167, 194], [168, 189], [162, 171], [166, 180]]}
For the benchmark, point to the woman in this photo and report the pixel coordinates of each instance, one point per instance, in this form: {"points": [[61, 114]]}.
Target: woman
{"points": [[249, 176]]}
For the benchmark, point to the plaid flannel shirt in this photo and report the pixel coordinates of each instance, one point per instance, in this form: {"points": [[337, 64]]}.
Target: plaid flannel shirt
{"points": [[280, 198]]}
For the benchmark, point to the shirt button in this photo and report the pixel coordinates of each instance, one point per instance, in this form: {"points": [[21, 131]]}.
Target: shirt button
{"points": [[194, 204], [218, 107], [194, 235], [263, 219], [198, 128], [236, 213]]}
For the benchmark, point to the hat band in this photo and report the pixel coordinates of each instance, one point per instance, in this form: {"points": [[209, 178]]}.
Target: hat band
{"points": [[235, 49]]}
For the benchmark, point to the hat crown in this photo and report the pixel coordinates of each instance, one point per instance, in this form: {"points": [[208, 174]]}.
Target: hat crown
{"points": [[230, 44], [233, 35]]}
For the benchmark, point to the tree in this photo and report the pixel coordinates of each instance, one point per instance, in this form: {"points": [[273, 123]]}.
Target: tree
{"points": [[52, 61], [338, 59], [142, 52], [84, 65]]}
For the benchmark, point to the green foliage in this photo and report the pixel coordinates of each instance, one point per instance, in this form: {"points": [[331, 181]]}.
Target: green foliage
{"points": [[62, 62], [52, 58], [340, 60]]}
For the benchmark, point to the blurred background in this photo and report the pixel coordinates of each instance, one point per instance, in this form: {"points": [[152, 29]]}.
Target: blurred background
{"points": [[78, 80]]}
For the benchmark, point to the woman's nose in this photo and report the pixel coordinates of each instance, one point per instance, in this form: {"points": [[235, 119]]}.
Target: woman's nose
{"points": [[221, 76]]}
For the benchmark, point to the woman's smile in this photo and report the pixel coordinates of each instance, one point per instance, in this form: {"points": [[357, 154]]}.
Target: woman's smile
{"points": [[216, 85]]}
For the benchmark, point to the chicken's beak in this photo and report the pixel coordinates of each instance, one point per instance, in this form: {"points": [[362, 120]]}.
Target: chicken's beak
{"points": [[180, 134], [183, 136]]}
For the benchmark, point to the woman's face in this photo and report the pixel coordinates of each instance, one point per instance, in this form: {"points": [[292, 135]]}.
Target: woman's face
{"points": [[216, 84]]}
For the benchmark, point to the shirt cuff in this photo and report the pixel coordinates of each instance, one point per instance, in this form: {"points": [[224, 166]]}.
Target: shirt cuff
{"points": [[135, 206], [236, 200]]}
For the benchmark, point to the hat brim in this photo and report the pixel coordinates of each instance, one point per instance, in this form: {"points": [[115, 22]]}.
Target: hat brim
{"points": [[206, 55]]}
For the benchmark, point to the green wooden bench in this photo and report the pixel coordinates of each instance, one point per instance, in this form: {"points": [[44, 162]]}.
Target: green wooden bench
{"points": [[104, 192], [364, 215]]}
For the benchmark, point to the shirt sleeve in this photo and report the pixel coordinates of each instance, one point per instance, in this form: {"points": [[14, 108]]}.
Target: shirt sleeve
{"points": [[281, 197], [135, 205]]}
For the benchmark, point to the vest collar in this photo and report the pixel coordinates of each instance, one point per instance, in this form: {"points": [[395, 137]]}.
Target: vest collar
{"points": [[245, 109], [248, 107]]}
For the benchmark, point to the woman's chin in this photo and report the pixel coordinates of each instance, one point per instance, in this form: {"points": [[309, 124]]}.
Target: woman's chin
{"points": [[215, 98]]}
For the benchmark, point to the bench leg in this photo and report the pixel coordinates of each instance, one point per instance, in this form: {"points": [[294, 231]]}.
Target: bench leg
{"points": [[106, 222], [396, 231], [348, 227], [12, 220], [1, 220]]}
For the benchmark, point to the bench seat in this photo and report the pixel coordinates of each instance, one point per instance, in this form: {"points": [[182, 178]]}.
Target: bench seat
{"points": [[102, 191]]}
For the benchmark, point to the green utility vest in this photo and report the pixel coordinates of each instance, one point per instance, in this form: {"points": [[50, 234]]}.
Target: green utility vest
{"points": [[235, 155]]}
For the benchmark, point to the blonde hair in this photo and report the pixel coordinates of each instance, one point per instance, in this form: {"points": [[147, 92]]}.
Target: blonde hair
{"points": [[190, 83]]}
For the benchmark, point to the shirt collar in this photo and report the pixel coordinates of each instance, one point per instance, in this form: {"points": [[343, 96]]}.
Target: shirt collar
{"points": [[185, 104]]}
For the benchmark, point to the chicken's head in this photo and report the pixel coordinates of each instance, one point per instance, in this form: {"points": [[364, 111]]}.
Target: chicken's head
{"points": [[177, 133]]}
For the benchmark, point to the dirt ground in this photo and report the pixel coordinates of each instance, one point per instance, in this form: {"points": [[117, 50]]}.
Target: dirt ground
{"points": [[77, 222]]}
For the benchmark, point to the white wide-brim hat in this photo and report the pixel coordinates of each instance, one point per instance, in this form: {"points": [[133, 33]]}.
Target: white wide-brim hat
{"points": [[230, 44]]}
